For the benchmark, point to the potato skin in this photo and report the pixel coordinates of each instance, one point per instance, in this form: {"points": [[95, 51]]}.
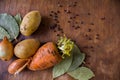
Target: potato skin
{"points": [[30, 23], [26, 48], [46, 57]]}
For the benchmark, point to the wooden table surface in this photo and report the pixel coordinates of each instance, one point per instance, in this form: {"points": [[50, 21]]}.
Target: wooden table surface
{"points": [[93, 24]]}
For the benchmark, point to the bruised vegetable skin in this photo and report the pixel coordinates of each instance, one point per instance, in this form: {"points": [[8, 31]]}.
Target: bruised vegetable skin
{"points": [[16, 65], [6, 49], [26, 48], [46, 57], [30, 23]]}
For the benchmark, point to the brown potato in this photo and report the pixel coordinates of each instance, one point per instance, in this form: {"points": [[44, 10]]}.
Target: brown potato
{"points": [[30, 23], [26, 48]]}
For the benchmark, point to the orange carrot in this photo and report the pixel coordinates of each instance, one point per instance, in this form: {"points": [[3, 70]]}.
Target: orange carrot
{"points": [[46, 57]]}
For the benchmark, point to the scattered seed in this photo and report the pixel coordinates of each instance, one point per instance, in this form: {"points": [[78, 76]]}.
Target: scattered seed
{"points": [[62, 32], [50, 14], [77, 14], [57, 21], [69, 21], [59, 5], [69, 5], [74, 5], [58, 11], [91, 46], [74, 17], [89, 30], [76, 22], [71, 18], [73, 26], [85, 47], [91, 23], [52, 11], [86, 35], [53, 26], [55, 13], [103, 18], [68, 11], [82, 22], [65, 10], [92, 50], [54, 30], [89, 14], [57, 34], [97, 34], [97, 37], [89, 38], [77, 27]]}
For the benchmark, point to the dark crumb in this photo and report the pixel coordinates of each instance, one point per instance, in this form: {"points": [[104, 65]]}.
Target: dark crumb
{"points": [[74, 5], [76, 22], [91, 46], [82, 22], [58, 11], [75, 2], [62, 32], [50, 14], [92, 50], [97, 37], [103, 18], [53, 26], [89, 14], [73, 26], [60, 29], [70, 17], [86, 35], [69, 21], [74, 17], [54, 30], [85, 47], [97, 34], [56, 16], [57, 34], [65, 10], [69, 5], [77, 27], [91, 23], [77, 14], [55, 13], [58, 25], [89, 38], [52, 11], [57, 21], [59, 5], [68, 11], [89, 30]]}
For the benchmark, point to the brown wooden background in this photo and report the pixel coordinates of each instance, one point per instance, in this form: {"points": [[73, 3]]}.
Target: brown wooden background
{"points": [[93, 24]]}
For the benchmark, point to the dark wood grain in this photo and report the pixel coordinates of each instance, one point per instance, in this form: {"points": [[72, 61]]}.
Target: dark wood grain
{"points": [[93, 24]]}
